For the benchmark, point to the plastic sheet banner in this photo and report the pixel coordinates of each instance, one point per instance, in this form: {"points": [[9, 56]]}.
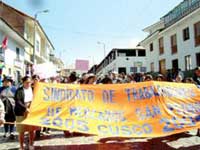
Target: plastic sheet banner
{"points": [[149, 109], [45, 70]]}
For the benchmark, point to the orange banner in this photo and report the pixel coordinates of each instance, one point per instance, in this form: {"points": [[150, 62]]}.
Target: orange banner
{"points": [[148, 109]]}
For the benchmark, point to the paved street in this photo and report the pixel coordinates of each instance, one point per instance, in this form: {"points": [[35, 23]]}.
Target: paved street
{"points": [[184, 141]]}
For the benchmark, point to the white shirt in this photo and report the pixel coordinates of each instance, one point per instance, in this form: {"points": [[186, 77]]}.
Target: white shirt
{"points": [[28, 95], [2, 111]]}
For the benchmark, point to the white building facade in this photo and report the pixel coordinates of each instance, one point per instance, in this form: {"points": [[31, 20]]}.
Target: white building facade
{"points": [[13, 56], [174, 41], [31, 31], [124, 60]]}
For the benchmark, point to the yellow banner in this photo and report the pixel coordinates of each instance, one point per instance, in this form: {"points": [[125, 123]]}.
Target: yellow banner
{"points": [[149, 109]]}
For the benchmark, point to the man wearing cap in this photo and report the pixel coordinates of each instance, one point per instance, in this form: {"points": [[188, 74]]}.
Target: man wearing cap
{"points": [[114, 77], [196, 77], [7, 93]]}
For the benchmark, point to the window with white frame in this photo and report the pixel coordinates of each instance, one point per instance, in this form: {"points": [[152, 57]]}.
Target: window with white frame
{"points": [[188, 62], [37, 46]]}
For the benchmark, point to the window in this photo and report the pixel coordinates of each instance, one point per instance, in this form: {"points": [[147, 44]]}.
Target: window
{"points": [[198, 59], [151, 47], [133, 69], [162, 66], [197, 33], [1, 51], [120, 54], [37, 46], [143, 69], [9, 71], [18, 76], [141, 53], [175, 64], [1, 55], [122, 70], [188, 62], [17, 53], [128, 53], [173, 44], [161, 45], [152, 67], [186, 34]]}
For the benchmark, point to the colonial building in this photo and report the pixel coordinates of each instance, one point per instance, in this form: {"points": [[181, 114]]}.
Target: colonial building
{"points": [[59, 65], [31, 30], [12, 57], [123, 60], [174, 41]]}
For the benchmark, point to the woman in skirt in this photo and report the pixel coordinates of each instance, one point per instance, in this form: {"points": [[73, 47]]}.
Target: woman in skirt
{"points": [[23, 98]]}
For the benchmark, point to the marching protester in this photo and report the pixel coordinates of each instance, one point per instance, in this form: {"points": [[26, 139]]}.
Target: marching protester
{"points": [[189, 80], [23, 98], [91, 79], [83, 78], [196, 76], [44, 130], [178, 79], [2, 113], [106, 80], [160, 77], [196, 79], [7, 92], [114, 76], [35, 79], [148, 78], [72, 78]]}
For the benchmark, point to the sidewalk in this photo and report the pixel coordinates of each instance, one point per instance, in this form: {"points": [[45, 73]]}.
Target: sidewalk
{"points": [[57, 141]]}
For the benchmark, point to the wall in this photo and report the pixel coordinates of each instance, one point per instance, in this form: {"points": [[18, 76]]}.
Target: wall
{"points": [[123, 62], [13, 18], [184, 47], [11, 64]]}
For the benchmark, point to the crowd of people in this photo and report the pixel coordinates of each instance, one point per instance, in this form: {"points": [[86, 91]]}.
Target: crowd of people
{"points": [[15, 101], [115, 78]]}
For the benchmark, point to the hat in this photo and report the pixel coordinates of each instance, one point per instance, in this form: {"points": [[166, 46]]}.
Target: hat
{"points": [[91, 75], [160, 76], [148, 77], [197, 68], [114, 72], [7, 78]]}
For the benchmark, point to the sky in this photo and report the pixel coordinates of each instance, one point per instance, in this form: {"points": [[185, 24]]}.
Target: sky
{"points": [[75, 26]]}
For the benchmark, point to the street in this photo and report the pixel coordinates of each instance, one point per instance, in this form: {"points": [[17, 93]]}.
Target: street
{"points": [[183, 141]]}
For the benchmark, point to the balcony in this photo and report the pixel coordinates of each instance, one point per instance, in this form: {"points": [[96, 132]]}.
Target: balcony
{"points": [[182, 10], [18, 63]]}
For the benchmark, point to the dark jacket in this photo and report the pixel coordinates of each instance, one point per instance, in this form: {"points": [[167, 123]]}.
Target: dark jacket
{"points": [[196, 79], [20, 107], [7, 97]]}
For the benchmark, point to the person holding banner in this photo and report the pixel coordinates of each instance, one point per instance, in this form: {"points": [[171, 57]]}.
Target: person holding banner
{"points": [[196, 79], [23, 98], [91, 79], [196, 76], [36, 79], [160, 78], [148, 77]]}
